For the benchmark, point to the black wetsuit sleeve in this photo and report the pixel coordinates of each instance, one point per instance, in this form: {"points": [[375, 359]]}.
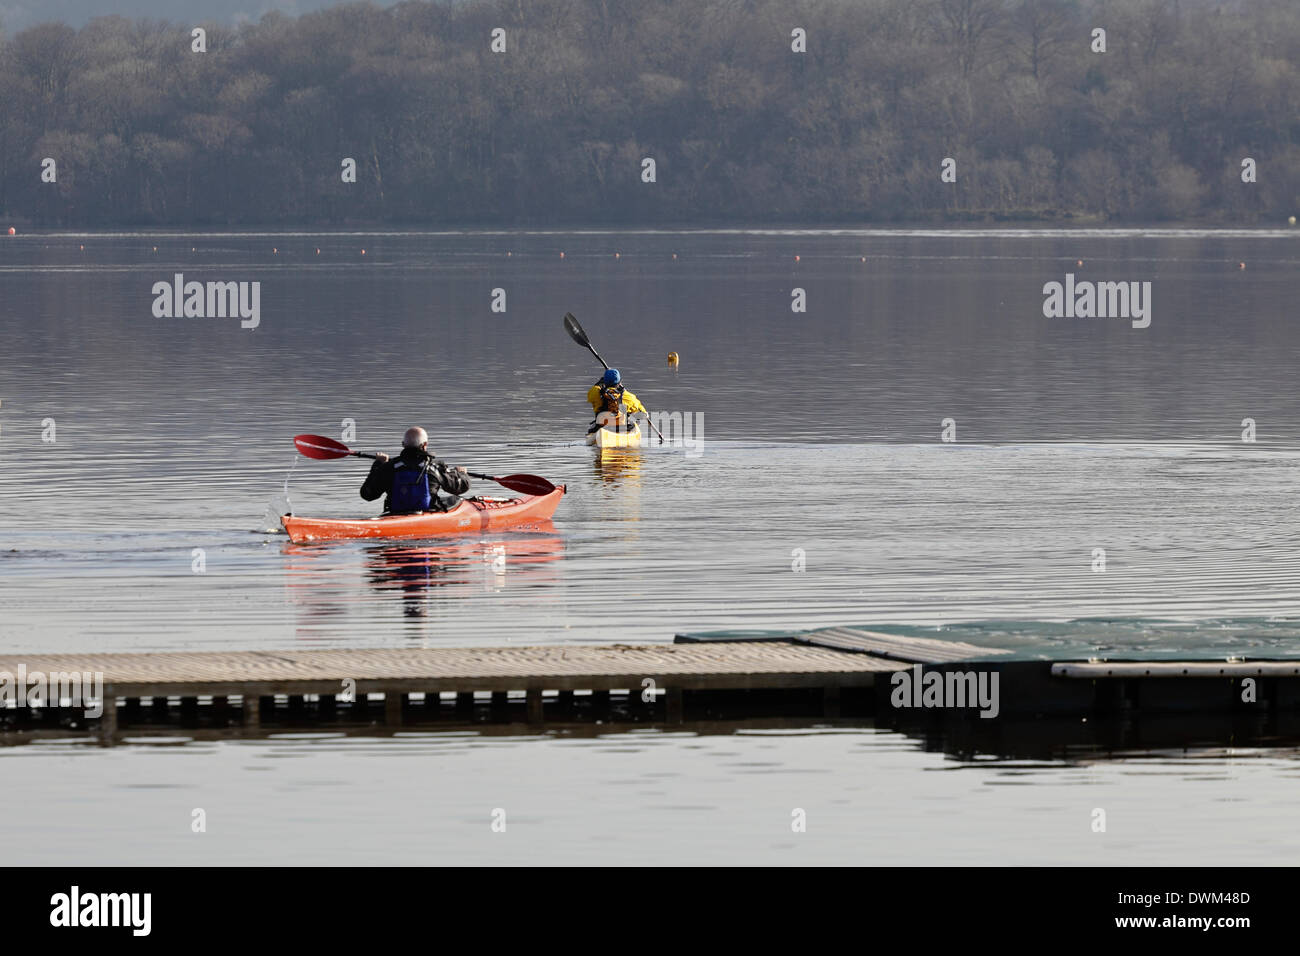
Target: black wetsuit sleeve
{"points": [[379, 482], [449, 479]]}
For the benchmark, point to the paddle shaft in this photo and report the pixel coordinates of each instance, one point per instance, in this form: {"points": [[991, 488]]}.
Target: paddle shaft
{"points": [[322, 448], [520, 483], [472, 474], [653, 429]]}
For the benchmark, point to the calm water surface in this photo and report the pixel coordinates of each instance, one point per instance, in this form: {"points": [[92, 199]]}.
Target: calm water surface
{"points": [[870, 798], [821, 433], [821, 446]]}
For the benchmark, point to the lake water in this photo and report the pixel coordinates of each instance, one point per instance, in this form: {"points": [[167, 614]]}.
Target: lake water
{"points": [[870, 798], [821, 447]]}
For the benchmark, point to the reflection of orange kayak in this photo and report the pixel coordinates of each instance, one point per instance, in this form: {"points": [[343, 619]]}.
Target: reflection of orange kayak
{"points": [[540, 543], [411, 566], [471, 516]]}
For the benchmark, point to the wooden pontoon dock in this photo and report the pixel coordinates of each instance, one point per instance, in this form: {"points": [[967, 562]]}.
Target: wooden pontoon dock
{"points": [[833, 673]]}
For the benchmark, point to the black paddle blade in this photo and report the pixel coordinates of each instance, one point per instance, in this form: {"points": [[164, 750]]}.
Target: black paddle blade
{"points": [[575, 330]]}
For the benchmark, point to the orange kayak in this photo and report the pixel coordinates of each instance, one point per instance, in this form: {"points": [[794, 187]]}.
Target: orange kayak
{"points": [[471, 516]]}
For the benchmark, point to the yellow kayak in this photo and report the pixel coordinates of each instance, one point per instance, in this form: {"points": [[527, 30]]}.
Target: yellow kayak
{"points": [[616, 438]]}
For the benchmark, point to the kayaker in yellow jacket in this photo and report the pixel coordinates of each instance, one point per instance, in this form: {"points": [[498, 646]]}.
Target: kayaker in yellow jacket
{"points": [[608, 393], [609, 398]]}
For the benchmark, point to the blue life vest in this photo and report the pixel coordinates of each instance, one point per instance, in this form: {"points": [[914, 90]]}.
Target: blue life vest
{"points": [[410, 489]]}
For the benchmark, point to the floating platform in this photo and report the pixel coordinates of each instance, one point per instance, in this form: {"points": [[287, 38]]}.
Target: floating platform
{"points": [[834, 674]]}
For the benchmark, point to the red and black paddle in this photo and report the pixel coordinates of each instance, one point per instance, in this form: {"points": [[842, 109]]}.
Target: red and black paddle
{"points": [[325, 449]]}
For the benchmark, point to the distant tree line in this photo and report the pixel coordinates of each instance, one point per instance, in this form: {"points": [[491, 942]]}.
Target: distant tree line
{"points": [[741, 127]]}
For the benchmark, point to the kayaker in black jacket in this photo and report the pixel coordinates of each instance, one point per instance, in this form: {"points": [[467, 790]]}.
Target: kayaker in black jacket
{"points": [[412, 479]]}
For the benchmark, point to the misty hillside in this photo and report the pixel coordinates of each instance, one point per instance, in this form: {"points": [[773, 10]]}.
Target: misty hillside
{"points": [[18, 15], [651, 111]]}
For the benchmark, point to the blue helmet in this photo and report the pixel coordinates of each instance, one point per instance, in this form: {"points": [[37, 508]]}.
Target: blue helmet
{"points": [[612, 377]]}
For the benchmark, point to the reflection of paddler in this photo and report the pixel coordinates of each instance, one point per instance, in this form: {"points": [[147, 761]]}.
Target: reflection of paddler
{"points": [[405, 567], [618, 464], [416, 571], [413, 571], [455, 568]]}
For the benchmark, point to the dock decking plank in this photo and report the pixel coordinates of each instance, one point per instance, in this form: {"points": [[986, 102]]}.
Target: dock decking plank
{"points": [[554, 667], [912, 650]]}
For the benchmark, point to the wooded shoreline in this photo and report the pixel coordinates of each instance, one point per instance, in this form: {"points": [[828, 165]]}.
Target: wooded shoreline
{"points": [[496, 113]]}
